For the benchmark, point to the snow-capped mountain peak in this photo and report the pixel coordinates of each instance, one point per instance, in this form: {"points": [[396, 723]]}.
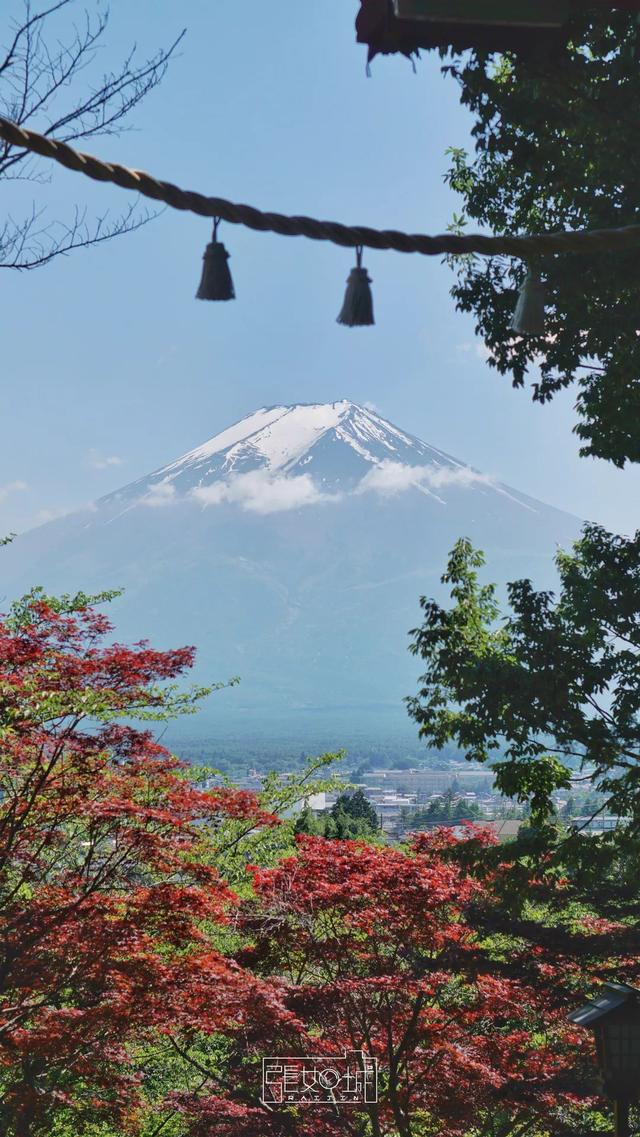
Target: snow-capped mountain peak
{"points": [[284, 457], [291, 549], [336, 442]]}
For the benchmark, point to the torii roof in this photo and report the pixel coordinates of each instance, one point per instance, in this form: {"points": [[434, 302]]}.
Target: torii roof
{"points": [[378, 26]]}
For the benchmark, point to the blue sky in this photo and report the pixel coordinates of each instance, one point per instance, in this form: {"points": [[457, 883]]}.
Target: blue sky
{"points": [[110, 368]]}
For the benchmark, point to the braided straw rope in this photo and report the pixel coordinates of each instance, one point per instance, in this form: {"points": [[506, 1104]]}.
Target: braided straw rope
{"points": [[351, 236]]}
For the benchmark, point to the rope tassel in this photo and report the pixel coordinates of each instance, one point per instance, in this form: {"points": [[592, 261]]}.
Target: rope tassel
{"points": [[357, 308], [528, 318], [216, 282]]}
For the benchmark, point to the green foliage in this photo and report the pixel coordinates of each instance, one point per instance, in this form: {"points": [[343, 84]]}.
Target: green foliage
{"points": [[239, 843], [351, 818], [236, 754], [555, 139], [403, 764], [444, 810], [307, 822], [354, 804], [21, 611], [550, 688]]}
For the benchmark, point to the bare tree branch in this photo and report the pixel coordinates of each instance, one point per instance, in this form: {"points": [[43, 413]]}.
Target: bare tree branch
{"points": [[42, 76], [24, 246]]}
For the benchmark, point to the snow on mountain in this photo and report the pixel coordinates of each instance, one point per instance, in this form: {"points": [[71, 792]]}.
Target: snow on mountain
{"points": [[286, 457], [292, 549], [277, 438]]}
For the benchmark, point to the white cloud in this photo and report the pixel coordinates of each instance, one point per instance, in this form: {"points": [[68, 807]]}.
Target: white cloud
{"points": [[10, 488], [457, 476], [161, 494], [261, 492], [98, 461], [389, 478], [371, 407]]}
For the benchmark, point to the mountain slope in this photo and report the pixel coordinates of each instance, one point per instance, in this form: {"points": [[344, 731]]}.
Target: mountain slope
{"points": [[292, 549], [335, 443]]}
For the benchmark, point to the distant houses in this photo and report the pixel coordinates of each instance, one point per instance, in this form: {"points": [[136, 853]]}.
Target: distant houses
{"points": [[408, 800]]}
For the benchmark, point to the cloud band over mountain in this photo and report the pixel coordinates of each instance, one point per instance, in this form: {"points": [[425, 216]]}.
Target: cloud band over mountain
{"points": [[261, 491]]}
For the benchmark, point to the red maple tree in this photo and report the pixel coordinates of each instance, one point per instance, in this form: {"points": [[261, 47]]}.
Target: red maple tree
{"points": [[376, 950], [118, 1004], [109, 904]]}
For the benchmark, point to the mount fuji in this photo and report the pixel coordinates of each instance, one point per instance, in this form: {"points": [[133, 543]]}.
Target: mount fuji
{"points": [[292, 549]]}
